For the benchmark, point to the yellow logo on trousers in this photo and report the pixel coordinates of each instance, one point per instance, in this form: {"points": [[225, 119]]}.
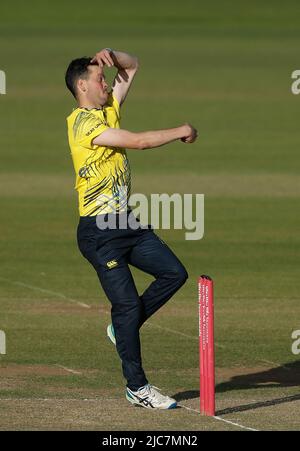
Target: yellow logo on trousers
{"points": [[112, 264]]}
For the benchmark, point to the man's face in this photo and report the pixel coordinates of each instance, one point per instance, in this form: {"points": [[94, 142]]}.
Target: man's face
{"points": [[95, 86]]}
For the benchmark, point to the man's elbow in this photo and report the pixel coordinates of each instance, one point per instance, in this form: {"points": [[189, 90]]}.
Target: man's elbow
{"points": [[135, 64], [138, 142]]}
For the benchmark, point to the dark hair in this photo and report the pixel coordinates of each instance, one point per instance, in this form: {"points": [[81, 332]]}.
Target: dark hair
{"points": [[77, 68]]}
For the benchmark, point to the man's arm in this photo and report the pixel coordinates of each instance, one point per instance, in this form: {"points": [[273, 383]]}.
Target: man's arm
{"points": [[127, 66], [114, 137]]}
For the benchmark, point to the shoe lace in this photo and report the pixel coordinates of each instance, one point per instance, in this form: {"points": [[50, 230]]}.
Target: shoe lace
{"points": [[153, 393]]}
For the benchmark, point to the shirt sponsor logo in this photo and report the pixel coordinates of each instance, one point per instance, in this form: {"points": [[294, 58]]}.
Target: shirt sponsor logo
{"points": [[94, 128], [112, 264]]}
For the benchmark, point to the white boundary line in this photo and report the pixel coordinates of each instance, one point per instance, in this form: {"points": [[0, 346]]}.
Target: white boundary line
{"points": [[193, 337], [221, 419], [61, 295], [32, 287], [55, 293], [171, 330], [235, 424], [68, 369], [101, 399]]}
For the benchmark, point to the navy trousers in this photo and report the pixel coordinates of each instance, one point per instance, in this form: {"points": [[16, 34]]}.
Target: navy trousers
{"points": [[111, 251]]}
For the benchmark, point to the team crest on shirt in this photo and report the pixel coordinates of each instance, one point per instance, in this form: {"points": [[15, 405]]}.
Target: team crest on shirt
{"points": [[83, 172]]}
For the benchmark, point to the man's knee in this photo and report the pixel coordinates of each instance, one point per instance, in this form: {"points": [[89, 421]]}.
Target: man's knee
{"points": [[183, 275], [180, 274]]}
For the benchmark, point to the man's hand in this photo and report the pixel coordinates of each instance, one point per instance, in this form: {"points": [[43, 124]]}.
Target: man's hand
{"points": [[190, 135], [103, 58]]}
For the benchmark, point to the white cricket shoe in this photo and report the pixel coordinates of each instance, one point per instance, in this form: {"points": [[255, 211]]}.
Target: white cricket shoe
{"points": [[150, 398], [110, 331]]}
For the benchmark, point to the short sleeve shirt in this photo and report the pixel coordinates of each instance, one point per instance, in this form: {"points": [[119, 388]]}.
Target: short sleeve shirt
{"points": [[102, 173]]}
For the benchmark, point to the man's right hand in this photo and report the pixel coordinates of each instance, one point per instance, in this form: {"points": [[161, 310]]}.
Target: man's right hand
{"points": [[190, 134]]}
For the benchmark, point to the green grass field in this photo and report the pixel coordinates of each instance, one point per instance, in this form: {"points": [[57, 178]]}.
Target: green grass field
{"points": [[226, 68]]}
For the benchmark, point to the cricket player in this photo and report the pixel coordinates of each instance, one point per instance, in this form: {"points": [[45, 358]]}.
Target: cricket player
{"points": [[98, 148]]}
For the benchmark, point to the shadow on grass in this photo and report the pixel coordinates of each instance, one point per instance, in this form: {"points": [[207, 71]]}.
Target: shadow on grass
{"points": [[258, 405], [287, 375]]}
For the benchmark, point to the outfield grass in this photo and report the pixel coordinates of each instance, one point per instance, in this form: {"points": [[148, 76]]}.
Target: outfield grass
{"points": [[225, 67]]}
